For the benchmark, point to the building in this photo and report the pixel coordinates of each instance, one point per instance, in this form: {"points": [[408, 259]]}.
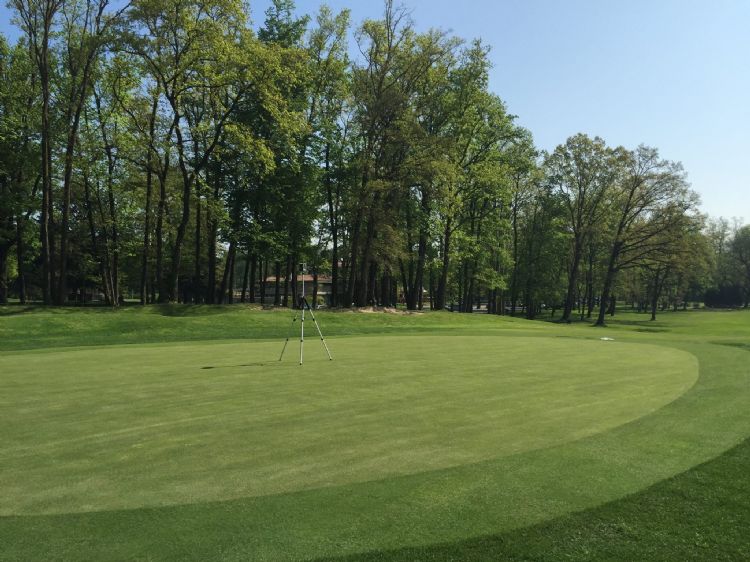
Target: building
{"points": [[323, 293]]}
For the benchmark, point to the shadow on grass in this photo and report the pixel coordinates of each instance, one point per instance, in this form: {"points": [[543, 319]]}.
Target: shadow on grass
{"points": [[701, 514], [258, 364], [185, 310], [29, 309], [195, 310], [15, 309], [740, 345]]}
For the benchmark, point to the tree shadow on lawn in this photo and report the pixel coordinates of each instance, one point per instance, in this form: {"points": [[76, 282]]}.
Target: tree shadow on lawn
{"points": [[700, 514], [184, 310], [15, 310], [740, 345]]}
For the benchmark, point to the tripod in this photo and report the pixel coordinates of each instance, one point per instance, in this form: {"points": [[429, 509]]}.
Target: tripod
{"points": [[303, 305]]}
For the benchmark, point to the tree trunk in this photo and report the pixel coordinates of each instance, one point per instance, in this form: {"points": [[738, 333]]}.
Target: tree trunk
{"points": [[657, 288], [230, 298], [572, 283], [285, 300], [161, 210], [20, 251], [590, 286], [314, 302], [246, 275], [352, 281], [197, 276], [364, 287], [371, 298], [212, 224], [263, 277], [443, 281], [419, 277], [115, 267], [106, 281], [333, 223], [67, 190], [187, 189], [227, 276], [608, 280], [42, 52], [4, 250], [514, 273], [432, 288], [604, 299], [146, 228], [293, 274], [213, 235], [385, 289], [149, 192], [352, 290], [276, 288], [253, 271], [404, 282]]}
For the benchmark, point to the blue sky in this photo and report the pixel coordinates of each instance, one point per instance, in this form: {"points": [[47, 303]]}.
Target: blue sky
{"points": [[674, 74]]}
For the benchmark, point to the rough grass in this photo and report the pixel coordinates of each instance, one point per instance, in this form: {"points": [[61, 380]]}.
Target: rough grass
{"points": [[39, 327], [599, 458]]}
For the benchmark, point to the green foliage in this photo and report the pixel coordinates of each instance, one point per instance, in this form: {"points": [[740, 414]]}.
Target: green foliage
{"points": [[189, 142]]}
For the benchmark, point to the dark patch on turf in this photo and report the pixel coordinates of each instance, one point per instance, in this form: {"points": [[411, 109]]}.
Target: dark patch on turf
{"points": [[14, 310], [741, 345], [185, 310], [270, 364]]}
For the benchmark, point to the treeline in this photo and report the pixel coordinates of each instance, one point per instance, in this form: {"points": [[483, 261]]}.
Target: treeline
{"points": [[167, 149]]}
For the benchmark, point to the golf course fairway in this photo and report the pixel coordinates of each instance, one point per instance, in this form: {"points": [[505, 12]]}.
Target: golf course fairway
{"points": [[216, 450]]}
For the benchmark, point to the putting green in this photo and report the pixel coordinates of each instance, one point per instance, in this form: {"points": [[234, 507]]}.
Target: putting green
{"points": [[135, 426]]}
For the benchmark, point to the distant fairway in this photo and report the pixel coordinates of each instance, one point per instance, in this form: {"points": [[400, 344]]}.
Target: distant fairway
{"points": [[213, 449]]}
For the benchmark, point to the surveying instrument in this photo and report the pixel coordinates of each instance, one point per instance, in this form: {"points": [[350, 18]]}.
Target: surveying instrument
{"points": [[303, 305]]}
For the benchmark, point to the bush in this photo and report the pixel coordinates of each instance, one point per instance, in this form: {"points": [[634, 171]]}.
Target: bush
{"points": [[728, 296]]}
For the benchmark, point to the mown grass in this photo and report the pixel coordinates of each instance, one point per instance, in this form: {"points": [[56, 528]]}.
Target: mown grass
{"points": [[152, 425], [669, 484]]}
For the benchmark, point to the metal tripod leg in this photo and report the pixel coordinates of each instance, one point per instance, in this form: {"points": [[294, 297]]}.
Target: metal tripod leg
{"points": [[322, 339], [289, 334], [302, 332]]}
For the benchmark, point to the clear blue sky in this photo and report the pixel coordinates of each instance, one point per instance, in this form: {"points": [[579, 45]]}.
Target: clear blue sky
{"points": [[674, 74]]}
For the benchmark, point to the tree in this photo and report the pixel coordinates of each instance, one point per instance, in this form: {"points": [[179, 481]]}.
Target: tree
{"points": [[328, 94], [740, 251], [477, 129], [649, 202], [19, 156], [583, 172], [132, 132], [37, 19], [396, 59], [676, 257], [84, 31], [202, 51]]}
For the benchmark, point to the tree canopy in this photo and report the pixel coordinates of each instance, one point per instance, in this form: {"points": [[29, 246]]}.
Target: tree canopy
{"points": [[170, 151]]}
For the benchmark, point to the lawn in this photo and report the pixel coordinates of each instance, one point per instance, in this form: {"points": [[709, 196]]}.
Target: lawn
{"points": [[174, 433]]}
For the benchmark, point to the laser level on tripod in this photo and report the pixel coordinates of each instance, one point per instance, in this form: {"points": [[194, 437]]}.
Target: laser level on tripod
{"points": [[302, 306]]}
